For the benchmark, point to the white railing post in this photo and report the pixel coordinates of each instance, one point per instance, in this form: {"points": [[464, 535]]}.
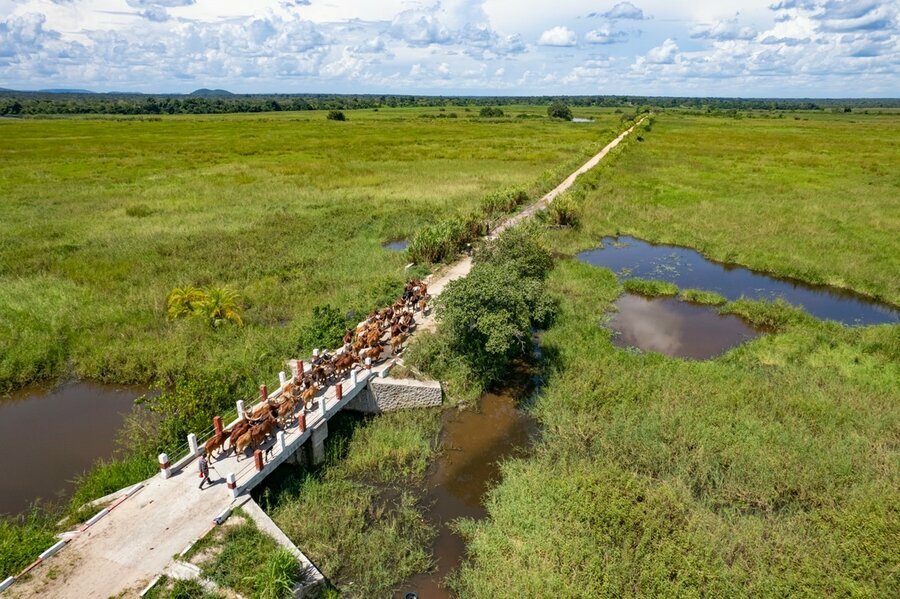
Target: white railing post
{"points": [[322, 405], [231, 481], [164, 466], [353, 377], [281, 442], [240, 409], [282, 378], [192, 443]]}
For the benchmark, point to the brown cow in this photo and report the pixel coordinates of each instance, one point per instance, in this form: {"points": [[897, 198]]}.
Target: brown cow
{"points": [[214, 443], [397, 342], [255, 436], [307, 396], [239, 429]]}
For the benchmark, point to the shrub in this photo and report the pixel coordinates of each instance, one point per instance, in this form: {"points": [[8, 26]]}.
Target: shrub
{"points": [[216, 305], [489, 315], [564, 211], [559, 110], [504, 201], [336, 115], [443, 240], [650, 288], [490, 112], [325, 330], [521, 248]]}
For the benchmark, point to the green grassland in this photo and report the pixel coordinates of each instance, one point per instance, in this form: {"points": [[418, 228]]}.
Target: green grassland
{"points": [[771, 471], [103, 217], [815, 199], [357, 516]]}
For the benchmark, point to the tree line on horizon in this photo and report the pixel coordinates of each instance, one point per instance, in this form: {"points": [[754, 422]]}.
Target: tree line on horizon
{"points": [[19, 103]]}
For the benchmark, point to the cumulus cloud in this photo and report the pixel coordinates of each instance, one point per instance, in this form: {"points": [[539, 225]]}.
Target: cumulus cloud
{"points": [[155, 10], [419, 27], [558, 36], [812, 47], [663, 54], [728, 29], [622, 10], [605, 35], [24, 35]]}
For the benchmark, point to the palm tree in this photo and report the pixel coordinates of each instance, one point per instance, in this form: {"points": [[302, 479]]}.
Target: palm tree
{"points": [[184, 301], [222, 304]]}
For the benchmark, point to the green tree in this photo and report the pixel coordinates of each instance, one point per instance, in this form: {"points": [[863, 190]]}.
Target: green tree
{"points": [[559, 110], [336, 115]]}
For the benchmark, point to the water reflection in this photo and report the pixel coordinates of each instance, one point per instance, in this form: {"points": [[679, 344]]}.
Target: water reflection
{"points": [[51, 435], [676, 328], [630, 257], [396, 246]]}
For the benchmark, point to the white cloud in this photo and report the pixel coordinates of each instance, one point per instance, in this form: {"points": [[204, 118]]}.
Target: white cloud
{"points": [[664, 54], [728, 29], [605, 35], [622, 10], [796, 47], [558, 36], [419, 28]]}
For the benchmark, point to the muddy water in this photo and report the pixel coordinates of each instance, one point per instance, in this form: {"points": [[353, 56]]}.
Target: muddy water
{"points": [[473, 443], [630, 257], [396, 246], [675, 328], [52, 435]]}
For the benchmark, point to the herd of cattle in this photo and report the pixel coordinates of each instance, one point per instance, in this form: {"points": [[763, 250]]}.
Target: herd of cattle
{"points": [[384, 331]]}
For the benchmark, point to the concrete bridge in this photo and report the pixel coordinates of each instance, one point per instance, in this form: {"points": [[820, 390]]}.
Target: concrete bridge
{"points": [[133, 539]]}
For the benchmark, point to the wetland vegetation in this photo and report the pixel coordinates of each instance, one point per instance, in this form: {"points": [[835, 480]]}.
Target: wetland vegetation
{"points": [[770, 470]]}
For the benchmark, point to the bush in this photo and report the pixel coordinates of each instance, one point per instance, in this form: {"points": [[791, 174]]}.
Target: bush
{"points": [[490, 112], [215, 305], [444, 240], [558, 110], [325, 330], [489, 315], [503, 202], [564, 211], [521, 248], [336, 115], [276, 580]]}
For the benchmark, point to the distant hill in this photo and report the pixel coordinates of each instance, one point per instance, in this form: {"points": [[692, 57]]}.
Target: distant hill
{"points": [[65, 91], [210, 93]]}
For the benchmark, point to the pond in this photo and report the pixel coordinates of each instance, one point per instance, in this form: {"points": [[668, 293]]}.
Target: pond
{"points": [[51, 435], [630, 257], [676, 328], [396, 246]]}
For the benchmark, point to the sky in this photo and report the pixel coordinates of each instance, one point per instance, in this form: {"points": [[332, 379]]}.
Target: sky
{"points": [[747, 48]]}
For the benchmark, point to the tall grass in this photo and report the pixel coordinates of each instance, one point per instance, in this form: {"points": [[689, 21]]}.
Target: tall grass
{"points": [[770, 471], [357, 517], [245, 559]]}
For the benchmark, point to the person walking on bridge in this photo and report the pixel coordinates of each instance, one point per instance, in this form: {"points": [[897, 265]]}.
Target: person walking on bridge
{"points": [[203, 465]]}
